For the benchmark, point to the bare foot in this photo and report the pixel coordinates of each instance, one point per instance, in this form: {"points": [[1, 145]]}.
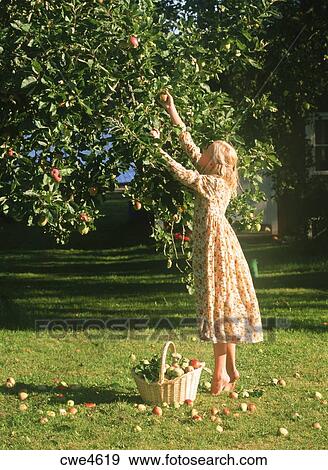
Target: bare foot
{"points": [[234, 375], [221, 384]]}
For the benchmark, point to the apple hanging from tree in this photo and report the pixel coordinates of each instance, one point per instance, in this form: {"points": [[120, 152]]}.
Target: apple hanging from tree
{"points": [[93, 191], [83, 229], [55, 174], [43, 220], [134, 41], [10, 152], [137, 205], [163, 97], [84, 217]]}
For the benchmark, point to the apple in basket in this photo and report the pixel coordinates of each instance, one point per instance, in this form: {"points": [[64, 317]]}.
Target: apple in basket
{"points": [[174, 372], [195, 363]]}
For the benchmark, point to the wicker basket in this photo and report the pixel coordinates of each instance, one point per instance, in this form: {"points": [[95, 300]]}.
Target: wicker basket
{"points": [[169, 391]]}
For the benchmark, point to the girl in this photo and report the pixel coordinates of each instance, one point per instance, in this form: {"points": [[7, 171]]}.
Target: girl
{"points": [[226, 303]]}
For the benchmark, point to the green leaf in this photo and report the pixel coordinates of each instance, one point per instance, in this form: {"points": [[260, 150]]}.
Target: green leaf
{"points": [[66, 171], [254, 63], [206, 87], [28, 81], [36, 66]]}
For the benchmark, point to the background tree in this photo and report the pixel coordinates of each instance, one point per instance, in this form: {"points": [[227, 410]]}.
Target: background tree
{"points": [[79, 90], [292, 75]]}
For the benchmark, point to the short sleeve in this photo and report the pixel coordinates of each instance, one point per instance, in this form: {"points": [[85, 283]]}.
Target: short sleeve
{"points": [[190, 147], [206, 185]]}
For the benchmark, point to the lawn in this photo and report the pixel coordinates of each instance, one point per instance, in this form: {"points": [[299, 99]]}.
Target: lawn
{"points": [[76, 285]]}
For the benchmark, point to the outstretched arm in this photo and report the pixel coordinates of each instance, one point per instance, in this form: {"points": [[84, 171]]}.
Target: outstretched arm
{"points": [[190, 147], [189, 178], [185, 138]]}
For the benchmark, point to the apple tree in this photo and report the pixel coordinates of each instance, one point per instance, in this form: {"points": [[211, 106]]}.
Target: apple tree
{"points": [[80, 88]]}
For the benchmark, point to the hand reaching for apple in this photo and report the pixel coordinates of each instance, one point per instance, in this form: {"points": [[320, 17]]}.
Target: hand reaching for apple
{"points": [[167, 101], [168, 104]]}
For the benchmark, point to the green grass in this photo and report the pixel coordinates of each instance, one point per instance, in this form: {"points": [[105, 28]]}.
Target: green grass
{"points": [[133, 282]]}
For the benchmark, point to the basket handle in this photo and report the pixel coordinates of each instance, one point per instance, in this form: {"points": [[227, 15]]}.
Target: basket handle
{"points": [[167, 345]]}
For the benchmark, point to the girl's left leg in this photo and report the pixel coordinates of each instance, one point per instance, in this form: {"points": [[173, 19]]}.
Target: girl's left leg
{"points": [[231, 362], [221, 379]]}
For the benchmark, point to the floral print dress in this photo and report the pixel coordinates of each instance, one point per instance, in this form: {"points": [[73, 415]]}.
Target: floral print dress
{"points": [[226, 302]]}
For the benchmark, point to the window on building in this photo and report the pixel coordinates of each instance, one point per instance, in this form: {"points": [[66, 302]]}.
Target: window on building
{"points": [[317, 134]]}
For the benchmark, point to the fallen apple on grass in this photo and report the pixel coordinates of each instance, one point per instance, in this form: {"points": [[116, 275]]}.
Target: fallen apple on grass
{"points": [[316, 425], [10, 382], [226, 411], [215, 419], [62, 412], [274, 381], [233, 395], [72, 410], [43, 420], [214, 411], [207, 385], [282, 382], [137, 428], [141, 407], [251, 407], [90, 405], [197, 418], [23, 407], [219, 428], [70, 403], [188, 402], [50, 413], [283, 432], [243, 407], [318, 395], [22, 395], [157, 411]]}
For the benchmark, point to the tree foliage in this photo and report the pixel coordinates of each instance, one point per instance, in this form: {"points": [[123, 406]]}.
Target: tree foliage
{"points": [[80, 96]]}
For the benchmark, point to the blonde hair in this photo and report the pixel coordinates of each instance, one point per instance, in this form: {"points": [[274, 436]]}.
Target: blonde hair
{"points": [[226, 161]]}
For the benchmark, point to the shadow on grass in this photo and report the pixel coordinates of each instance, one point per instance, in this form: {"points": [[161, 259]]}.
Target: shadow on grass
{"points": [[95, 394], [106, 283]]}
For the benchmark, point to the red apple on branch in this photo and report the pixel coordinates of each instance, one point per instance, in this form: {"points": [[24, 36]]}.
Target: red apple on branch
{"points": [[134, 41], [137, 205], [10, 152], [55, 174], [93, 190], [84, 217]]}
